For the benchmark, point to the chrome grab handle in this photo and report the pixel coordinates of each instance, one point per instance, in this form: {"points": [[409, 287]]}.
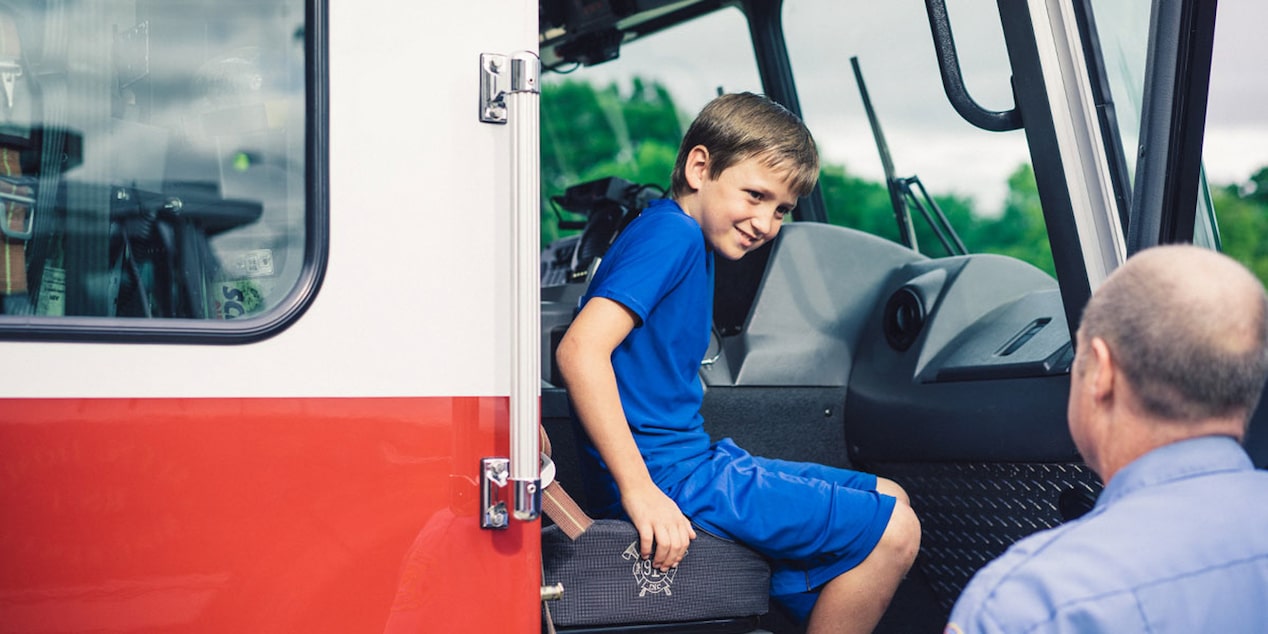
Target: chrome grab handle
{"points": [[510, 94]]}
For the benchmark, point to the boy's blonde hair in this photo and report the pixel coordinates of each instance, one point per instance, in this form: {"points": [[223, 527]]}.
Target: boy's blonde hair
{"points": [[739, 126]]}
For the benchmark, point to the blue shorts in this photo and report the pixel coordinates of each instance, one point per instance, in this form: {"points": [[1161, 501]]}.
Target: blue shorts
{"points": [[813, 522]]}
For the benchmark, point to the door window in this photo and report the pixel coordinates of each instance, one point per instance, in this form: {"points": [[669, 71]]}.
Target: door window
{"points": [[152, 162]]}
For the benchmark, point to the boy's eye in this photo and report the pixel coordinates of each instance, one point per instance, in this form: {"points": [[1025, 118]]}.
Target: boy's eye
{"points": [[754, 194]]}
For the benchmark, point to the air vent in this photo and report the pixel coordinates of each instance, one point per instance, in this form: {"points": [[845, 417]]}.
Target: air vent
{"points": [[904, 318]]}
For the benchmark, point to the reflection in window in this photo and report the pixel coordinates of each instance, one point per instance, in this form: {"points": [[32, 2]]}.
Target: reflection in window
{"points": [[151, 157]]}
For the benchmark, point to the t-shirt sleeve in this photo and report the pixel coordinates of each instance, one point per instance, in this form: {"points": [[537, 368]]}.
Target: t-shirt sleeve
{"points": [[649, 259]]}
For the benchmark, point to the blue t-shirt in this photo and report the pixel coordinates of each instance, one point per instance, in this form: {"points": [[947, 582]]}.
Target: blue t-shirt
{"points": [[659, 268], [1178, 542]]}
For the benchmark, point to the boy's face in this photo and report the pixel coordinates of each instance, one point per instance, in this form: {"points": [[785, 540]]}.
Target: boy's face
{"points": [[742, 208]]}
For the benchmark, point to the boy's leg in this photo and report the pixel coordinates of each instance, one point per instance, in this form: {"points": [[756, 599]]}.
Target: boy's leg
{"points": [[891, 488], [856, 600], [854, 533]]}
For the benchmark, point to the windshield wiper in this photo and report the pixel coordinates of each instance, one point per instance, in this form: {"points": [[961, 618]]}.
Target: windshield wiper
{"points": [[903, 191]]}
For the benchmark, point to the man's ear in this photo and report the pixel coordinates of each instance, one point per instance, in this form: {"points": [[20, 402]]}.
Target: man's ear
{"points": [[1101, 369], [697, 167]]}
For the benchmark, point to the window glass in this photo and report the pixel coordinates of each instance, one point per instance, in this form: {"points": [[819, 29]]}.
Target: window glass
{"points": [[1123, 31], [982, 181], [153, 158], [1235, 146]]}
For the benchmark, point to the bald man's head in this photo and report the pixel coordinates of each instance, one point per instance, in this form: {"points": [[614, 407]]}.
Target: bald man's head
{"points": [[1189, 329]]}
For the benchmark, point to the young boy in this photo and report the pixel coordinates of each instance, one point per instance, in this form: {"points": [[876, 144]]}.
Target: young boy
{"points": [[839, 541]]}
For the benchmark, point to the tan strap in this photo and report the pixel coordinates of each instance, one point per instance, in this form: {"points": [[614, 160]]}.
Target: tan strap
{"points": [[559, 506]]}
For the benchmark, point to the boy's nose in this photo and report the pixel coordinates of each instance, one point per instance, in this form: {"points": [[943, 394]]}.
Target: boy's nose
{"points": [[761, 225]]}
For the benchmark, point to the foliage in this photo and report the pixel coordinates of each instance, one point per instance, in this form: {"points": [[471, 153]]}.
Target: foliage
{"points": [[1243, 221], [1020, 230], [586, 134], [591, 132]]}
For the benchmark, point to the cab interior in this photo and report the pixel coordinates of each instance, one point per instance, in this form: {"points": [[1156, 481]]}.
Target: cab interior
{"points": [[945, 371]]}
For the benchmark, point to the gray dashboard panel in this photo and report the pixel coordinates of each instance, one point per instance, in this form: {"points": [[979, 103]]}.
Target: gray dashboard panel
{"points": [[986, 379], [821, 285]]}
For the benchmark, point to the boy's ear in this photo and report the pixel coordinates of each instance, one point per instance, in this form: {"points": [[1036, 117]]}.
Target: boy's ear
{"points": [[697, 167]]}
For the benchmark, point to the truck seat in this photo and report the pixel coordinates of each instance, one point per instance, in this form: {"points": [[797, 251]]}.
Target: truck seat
{"points": [[720, 586]]}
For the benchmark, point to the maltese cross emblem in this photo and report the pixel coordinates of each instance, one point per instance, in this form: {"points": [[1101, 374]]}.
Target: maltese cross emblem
{"points": [[649, 579]]}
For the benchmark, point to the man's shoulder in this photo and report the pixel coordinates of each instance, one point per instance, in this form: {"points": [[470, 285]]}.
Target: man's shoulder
{"points": [[1094, 568], [1080, 585], [1026, 585]]}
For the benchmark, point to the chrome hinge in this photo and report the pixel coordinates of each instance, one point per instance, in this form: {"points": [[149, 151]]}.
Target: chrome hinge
{"points": [[501, 75], [494, 82], [494, 473]]}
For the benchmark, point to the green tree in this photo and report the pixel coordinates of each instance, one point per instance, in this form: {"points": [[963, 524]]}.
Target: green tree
{"points": [[960, 215], [857, 203], [1242, 216], [590, 133], [1019, 231]]}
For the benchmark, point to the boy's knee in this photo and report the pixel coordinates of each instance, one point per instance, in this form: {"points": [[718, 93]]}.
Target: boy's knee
{"points": [[901, 540], [892, 489]]}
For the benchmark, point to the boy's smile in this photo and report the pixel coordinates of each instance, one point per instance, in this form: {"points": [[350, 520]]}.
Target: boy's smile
{"points": [[742, 208]]}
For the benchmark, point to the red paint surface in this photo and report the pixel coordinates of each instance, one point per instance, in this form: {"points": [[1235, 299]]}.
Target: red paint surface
{"points": [[257, 515]]}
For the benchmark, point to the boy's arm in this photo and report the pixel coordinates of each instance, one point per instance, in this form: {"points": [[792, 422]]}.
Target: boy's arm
{"points": [[585, 361]]}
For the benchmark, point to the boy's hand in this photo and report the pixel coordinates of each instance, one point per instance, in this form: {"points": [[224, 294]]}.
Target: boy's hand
{"points": [[585, 360], [659, 521]]}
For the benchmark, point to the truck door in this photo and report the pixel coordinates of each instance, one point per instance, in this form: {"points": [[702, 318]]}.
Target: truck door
{"points": [[260, 342]]}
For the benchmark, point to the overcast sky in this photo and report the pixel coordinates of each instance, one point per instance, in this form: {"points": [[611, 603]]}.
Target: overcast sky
{"points": [[926, 137], [1237, 117]]}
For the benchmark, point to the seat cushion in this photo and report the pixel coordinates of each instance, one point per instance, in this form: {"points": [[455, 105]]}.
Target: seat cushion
{"points": [[606, 582]]}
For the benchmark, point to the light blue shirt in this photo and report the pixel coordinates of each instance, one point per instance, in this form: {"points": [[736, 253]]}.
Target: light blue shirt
{"points": [[1177, 542]]}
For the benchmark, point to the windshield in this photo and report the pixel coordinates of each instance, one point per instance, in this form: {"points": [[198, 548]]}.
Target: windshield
{"points": [[625, 118], [982, 181]]}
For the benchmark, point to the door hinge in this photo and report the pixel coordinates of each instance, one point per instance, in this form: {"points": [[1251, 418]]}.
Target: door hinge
{"points": [[494, 473], [501, 75]]}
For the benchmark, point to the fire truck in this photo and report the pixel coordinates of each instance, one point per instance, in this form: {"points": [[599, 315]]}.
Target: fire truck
{"points": [[277, 313]]}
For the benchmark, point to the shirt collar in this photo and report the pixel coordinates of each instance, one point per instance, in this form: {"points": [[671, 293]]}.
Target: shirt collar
{"points": [[1176, 461]]}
